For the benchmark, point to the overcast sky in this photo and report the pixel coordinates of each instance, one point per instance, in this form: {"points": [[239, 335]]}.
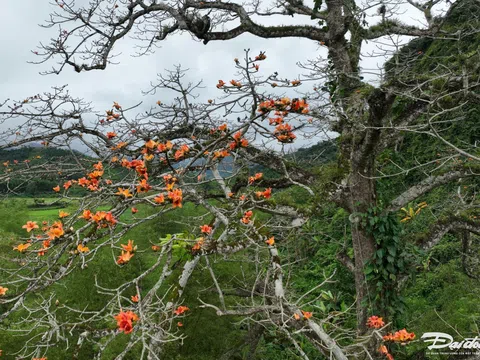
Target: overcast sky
{"points": [[20, 35]]}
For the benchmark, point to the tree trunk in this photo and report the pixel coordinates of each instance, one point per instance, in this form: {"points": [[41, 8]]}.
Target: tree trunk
{"points": [[362, 196]]}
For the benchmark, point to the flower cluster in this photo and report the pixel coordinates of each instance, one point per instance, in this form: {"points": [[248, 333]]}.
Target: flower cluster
{"points": [[125, 320], [127, 252], [270, 241], [284, 134], [101, 218], [284, 106], [305, 315], [267, 194], [176, 196], [238, 141], [254, 178], [180, 310], [375, 322], [247, 217], [401, 336]]}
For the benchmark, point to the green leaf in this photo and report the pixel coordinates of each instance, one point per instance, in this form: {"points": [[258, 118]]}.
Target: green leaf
{"points": [[392, 250]]}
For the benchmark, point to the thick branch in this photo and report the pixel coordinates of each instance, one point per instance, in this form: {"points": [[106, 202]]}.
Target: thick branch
{"points": [[438, 230], [425, 186]]}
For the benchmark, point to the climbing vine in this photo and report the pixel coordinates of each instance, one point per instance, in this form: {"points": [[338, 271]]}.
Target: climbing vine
{"points": [[390, 263]]}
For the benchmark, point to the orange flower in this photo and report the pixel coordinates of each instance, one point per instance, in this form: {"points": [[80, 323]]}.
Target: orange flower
{"points": [[143, 186], [221, 154], [22, 247], [235, 83], [150, 144], [270, 241], [375, 322], [383, 350], [401, 336], [134, 210], [176, 196], [129, 247], [165, 147], [260, 56], [162, 147], [63, 214], [56, 188], [206, 229], [252, 179], [179, 324], [67, 185], [181, 152], [307, 314], [120, 145], [83, 182], [30, 225], [125, 321], [124, 192], [284, 134], [155, 248], [3, 290], [267, 193], [124, 258], [82, 249], [198, 244], [55, 232], [295, 82], [180, 310], [246, 217], [87, 215], [116, 106], [135, 298], [220, 84], [159, 199], [111, 135], [296, 316]]}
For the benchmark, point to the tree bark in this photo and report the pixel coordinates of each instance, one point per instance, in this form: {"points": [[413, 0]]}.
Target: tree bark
{"points": [[362, 196]]}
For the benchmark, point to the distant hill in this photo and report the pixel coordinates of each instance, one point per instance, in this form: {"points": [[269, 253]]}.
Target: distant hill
{"points": [[35, 155], [32, 152], [318, 154]]}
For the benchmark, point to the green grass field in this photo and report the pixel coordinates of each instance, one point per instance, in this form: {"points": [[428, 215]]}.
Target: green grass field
{"points": [[82, 293]]}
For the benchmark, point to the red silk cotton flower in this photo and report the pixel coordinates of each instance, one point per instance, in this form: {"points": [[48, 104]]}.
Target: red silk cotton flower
{"points": [[125, 321], [180, 310], [375, 322]]}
